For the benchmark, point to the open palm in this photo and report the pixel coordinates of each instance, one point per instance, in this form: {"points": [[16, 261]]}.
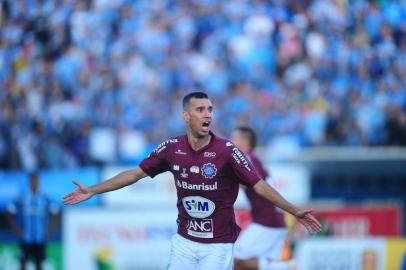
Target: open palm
{"points": [[309, 221], [81, 194]]}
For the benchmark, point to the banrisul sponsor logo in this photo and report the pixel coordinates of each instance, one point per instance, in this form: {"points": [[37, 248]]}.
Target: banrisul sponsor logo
{"points": [[202, 186], [198, 207]]}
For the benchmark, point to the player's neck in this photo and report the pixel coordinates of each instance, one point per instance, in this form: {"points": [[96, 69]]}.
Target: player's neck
{"points": [[198, 142]]}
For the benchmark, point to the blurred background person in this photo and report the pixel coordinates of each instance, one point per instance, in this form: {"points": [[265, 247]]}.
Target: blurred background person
{"points": [[263, 244], [32, 218], [307, 73]]}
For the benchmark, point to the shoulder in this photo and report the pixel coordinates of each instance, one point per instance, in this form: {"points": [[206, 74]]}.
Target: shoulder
{"points": [[223, 145], [228, 148], [173, 142], [236, 155]]}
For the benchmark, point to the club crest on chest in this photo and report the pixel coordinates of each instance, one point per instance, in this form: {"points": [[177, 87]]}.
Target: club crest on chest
{"points": [[209, 170]]}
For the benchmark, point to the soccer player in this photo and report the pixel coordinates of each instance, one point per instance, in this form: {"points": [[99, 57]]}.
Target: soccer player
{"points": [[36, 216], [261, 244], [207, 170]]}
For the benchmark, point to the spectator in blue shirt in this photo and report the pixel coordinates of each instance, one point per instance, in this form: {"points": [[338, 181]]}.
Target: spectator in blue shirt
{"points": [[33, 212]]}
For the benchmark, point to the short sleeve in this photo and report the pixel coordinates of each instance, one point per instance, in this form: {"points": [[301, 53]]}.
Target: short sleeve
{"points": [[241, 166], [156, 162]]}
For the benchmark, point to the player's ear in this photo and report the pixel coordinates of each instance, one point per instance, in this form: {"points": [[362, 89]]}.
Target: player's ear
{"points": [[185, 116]]}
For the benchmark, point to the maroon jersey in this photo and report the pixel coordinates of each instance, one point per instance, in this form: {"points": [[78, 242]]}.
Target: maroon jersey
{"points": [[207, 183], [263, 212]]}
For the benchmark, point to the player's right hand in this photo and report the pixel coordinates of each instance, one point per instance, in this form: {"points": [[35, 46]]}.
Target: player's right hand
{"points": [[82, 193], [309, 221]]}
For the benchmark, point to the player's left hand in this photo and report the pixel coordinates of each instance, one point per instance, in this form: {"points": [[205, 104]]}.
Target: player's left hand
{"points": [[309, 221]]}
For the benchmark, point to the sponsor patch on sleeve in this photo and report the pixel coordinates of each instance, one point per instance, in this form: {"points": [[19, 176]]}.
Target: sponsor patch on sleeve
{"points": [[163, 145], [240, 158]]}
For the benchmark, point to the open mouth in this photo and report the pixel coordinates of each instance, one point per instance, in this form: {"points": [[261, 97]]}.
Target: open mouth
{"points": [[205, 126]]}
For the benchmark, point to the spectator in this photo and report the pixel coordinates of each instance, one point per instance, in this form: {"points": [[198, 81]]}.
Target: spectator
{"points": [[302, 58]]}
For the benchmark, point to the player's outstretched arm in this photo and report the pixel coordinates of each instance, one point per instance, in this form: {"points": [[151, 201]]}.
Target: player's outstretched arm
{"points": [[303, 216], [83, 193]]}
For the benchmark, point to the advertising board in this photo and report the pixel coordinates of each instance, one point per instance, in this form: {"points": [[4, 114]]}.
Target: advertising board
{"points": [[342, 253], [117, 239], [364, 220], [291, 180], [158, 192]]}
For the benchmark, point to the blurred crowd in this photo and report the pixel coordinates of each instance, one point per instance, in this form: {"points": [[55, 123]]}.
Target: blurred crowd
{"points": [[102, 81]]}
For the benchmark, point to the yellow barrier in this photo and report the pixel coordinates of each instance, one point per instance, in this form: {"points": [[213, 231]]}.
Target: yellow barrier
{"points": [[395, 253]]}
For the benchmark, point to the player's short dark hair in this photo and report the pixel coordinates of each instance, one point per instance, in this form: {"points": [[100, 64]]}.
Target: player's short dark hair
{"points": [[188, 97], [249, 133]]}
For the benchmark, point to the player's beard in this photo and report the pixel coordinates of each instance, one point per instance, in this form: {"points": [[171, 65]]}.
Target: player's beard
{"points": [[198, 133]]}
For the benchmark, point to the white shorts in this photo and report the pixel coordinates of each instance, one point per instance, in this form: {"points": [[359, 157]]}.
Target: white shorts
{"points": [[190, 255], [258, 241]]}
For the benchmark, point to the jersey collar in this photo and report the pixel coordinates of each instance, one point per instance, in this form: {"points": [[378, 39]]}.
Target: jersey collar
{"points": [[212, 140]]}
